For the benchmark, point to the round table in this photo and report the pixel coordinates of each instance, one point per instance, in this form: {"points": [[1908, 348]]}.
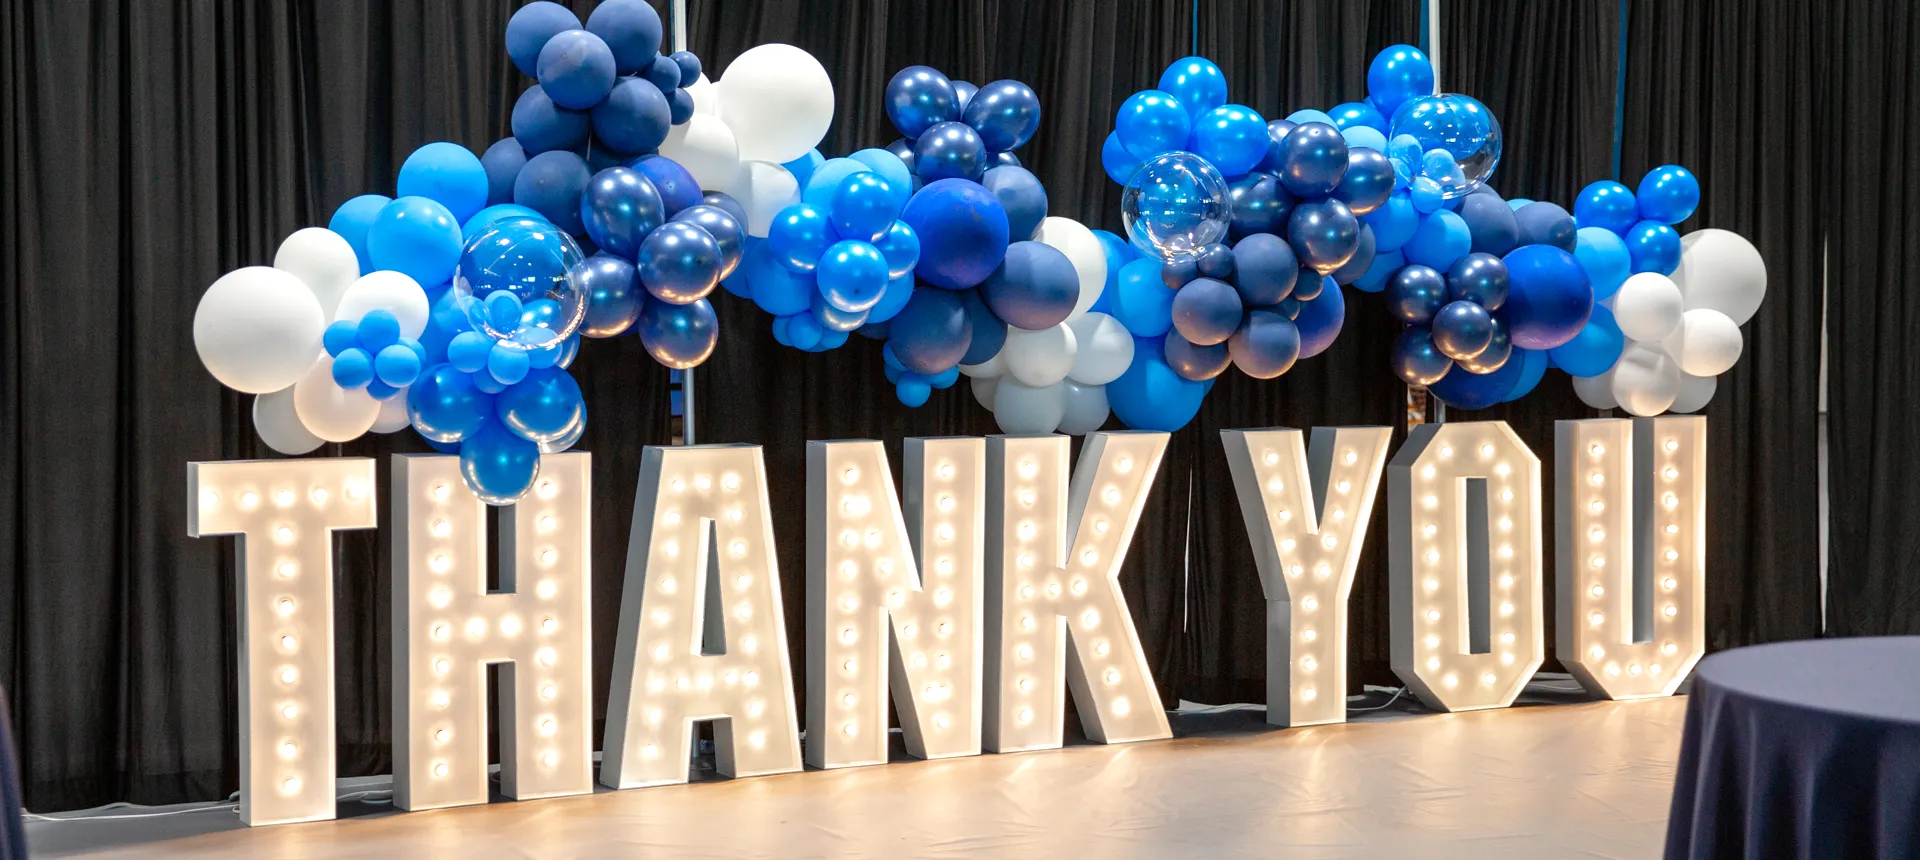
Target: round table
{"points": [[1801, 750]]}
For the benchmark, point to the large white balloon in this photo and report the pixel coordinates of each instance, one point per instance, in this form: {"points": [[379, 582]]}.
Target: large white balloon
{"points": [[323, 261], [1084, 408], [390, 291], [393, 414], [333, 413], [706, 96], [705, 147], [763, 188], [1646, 380], [983, 390], [1596, 391], [1695, 391], [1083, 250], [1102, 349], [1707, 343], [1647, 307], [1720, 270], [1039, 358], [258, 329], [279, 426], [995, 366], [1022, 408], [779, 101]]}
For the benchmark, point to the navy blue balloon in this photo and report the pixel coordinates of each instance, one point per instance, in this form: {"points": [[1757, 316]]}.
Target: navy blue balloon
{"points": [[1257, 204], [1543, 223], [1499, 348], [1005, 113], [1215, 261], [1320, 318], [663, 73], [1324, 233], [1276, 144], [576, 69], [1368, 181], [679, 107], [963, 94], [918, 97], [1478, 278], [1668, 194], [1265, 269], [444, 405], [502, 162], [1195, 361], [1034, 288], [679, 336], [1653, 247], [1606, 204], [600, 158], [631, 28], [1476, 390], [614, 295], [634, 118], [1314, 159], [1417, 359], [1022, 196], [949, 150], [1289, 307], [989, 331], [1462, 330], [543, 407], [1308, 285], [619, 208], [1177, 274], [1548, 298], [1415, 294], [1490, 222], [689, 67], [1266, 345], [679, 263], [727, 231], [963, 233], [677, 188], [530, 28], [498, 465], [931, 333], [551, 184], [726, 201], [1357, 265], [1002, 159], [542, 126], [1207, 311]]}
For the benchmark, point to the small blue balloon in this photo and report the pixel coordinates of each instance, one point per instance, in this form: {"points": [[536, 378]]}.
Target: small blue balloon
{"points": [[1320, 318], [803, 167], [1207, 311], [1307, 286], [1361, 136], [416, 237], [576, 69], [631, 29], [901, 247], [931, 333], [1004, 113], [1668, 194], [1441, 239], [727, 202], [1490, 222], [1035, 286], [340, 335], [1357, 114], [468, 351], [1606, 204], [677, 188], [1653, 246], [1194, 361], [912, 390], [1215, 261], [1368, 181], [799, 235], [378, 329], [1022, 196], [1265, 346], [963, 233], [1393, 223], [1603, 254], [445, 406], [448, 174], [1479, 278], [852, 276], [1548, 297], [918, 98], [618, 209], [1177, 274], [1116, 160], [989, 331], [1197, 83], [689, 67], [949, 150], [825, 179], [1427, 195], [863, 206], [1462, 330], [487, 383], [352, 368], [1397, 74], [1141, 302], [903, 150], [397, 365], [680, 336], [614, 295], [1517, 203], [551, 184], [1595, 348], [1277, 131], [804, 331], [1314, 160], [499, 467], [1478, 391], [1233, 137], [1151, 122], [1417, 359], [354, 219], [833, 319], [777, 289], [635, 117], [531, 27], [1533, 367], [508, 365], [679, 263], [1307, 115], [487, 217], [889, 166], [1324, 234], [1543, 223], [663, 72], [540, 126], [1357, 265], [728, 233], [1415, 294]]}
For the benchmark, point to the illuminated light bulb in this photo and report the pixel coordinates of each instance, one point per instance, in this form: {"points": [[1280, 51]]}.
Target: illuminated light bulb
{"points": [[1671, 610], [683, 683], [1024, 652], [283, 498], [1275, 486], [1025, 684], [1351, 456], [738, 548], [1669, 649], [1507, 637], [1506, 495], [1430, 501], [735, 514], [944, 533], [1092, 617], [1089, 557], [847, 667], [548, 557], [1451, 680], [249, 500], [849, 603], [656, 684], [547, 625], [847, 635], [1596, 619], [441, 528], [1669, 583], [1026, 529], [847, 729], [1426, 471], [749, 643], [440, 769], [1026, 592], [1653, 669], [896, 598], [1337, 515], [1329, 541], [1486, 450], [1432, 641], [1433, 615], [942, 661], [1120, 706], [1079, 586], [1433, 663], [441, 492], [291, 785], [1488, 679], [1506, 580], [1433, 585], [1100, 648], [547, 588], [440, 597], [1503, 470], [1613, 669], [1596, 479], [442, 666], [1271, 457], [287, 569], [944, 565], [209, 499], [1673, 528], [677, 485], [730, 481], [1596, 591], [355, 490], [1308, 635], [1506, 658], [1633, 668], [946, 470], [1596, 652], [854, 506], [730, 676], [1025, 560], [1124, 464], [849, 570], [289, 675], [743, 611], [1112, 495], [1287, 544], [441, 562], [1506, 552], [1028, 468], [1598, 561], [671, 518], [1506, 524], [284, 534], [548, 692], [286, 642], [946, 503], [1309, 604], [1670, 473], [1672, 445], [1672, 555], [1053, 589], [1446, 450], [550, 759], [672, 547], [1506, 609], [1670, 501], [702, 483], [1100, 526], [850, 475], [548, 726], [1112, 676], [1430, 530], [1308, 663], [940, 721], [1596, 534], [288, 750], [285, 606], [1433, 556], [1025, 715], [1596, 506], [545, 656], [1308, 694]]}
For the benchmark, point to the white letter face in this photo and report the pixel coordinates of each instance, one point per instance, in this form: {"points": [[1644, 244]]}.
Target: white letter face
{"points": [[1306, 542], [1054, 609], [1465, 509], [864, 569], [447, 628], [1631, 567], [284, 511], [700, 514]]}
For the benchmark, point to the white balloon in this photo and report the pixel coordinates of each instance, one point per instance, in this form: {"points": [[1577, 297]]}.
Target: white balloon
{"points": [[706, 96], [1084, 250], [1706, 343], [705, 147], [992, 367], [1102, 349], [1695, 391], [390, 291], [330, 412], [1020, 408], [393, 414], [323, 261], [983, 390], [1596, 391], [1647, 307], [779, 101], [763, 188], [1646, 380], [1085, 408], [279, 426], [1720, 270], [258, 329], [1039, 358]]}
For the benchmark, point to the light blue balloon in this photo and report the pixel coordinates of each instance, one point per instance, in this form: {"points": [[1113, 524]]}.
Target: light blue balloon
{"points": [[820, 186], [1384, 265], [1441, 239], [892, 299], [1360, 135], [1393, 223], [890, 168], [803, 167], [1517, 202], [1426, 194], [1141, 301], [1604, 255], [486, 217], [1307, 115], [354, 219]]}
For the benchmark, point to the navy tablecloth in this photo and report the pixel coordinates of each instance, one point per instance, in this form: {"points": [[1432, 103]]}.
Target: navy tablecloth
{"points": [[1802, 750]]}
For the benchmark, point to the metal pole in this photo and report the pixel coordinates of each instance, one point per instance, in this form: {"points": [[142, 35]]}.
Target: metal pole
{"points": [[687, 425], [1436, 410]]}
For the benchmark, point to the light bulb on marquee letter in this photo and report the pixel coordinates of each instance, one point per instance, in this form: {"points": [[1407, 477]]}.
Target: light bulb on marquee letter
{"points": [[700, 555], [1307, 546], [1631, 552], [447, 628], [1054, 606], [867, 565], [1465, 565], [284, 511]]}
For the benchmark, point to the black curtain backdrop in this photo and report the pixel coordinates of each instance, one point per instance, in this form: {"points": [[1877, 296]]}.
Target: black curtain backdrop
{"points": [[1873, 424]]}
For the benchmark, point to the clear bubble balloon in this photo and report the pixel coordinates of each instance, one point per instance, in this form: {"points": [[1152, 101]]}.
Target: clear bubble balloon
{"points": [[1458, 142], [1174, 206], [520, 281]]}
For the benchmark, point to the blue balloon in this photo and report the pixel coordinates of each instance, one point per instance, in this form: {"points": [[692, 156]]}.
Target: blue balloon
{"points": [[1207, 311], [1320, 318], [1233, 137], [508, 365], [1368, 181], [912, 390], [530, 28], [1307, 115], [1548, 297], [1004, 113], [964, 92], [499, 466], [799, 235], [1417, 359], [1022, 196], [487, 384], [1277, 130], [1035, 286], [1314, 160], [852, 276], [725, 201], [1533, 367], [818, 190], [901, 247], [1149, 395], [1357, 114], [1462, 330], [777, 289], [1393, 223], [352, 368], [1652, 246], [1307, 286], [918, 98], [468, 351], [1215, 261], [949, 150], [397, 365], [540, 126], [1178, 273], [618, 209], [1426, 194], [378, 329], [1604, 255], [576, 69], [679, 263], [631, 29], [1324, 234], [447, 174], [1606, 204], [634, 118], [679, 336], [803, 167], [1517, 203], [614, 295], [1151, 122], [415, 237], [1595, 348], [551, 184], [1197, 83], [444, 405], [677, 188], [1543, 223], [903, 150], [1476, 390], [340, 335], [1668, 194], [1362, 137], [1141, 302], [502, 162], [1265, 346], [1194, 361], [354, 219], [863, 206], [889, 166], [729, 235], [487, 217], [689, 67], [804, 331], [989, 331], [1479, 278], [1441, 239], [931, 333], [963, 233], [1385, 263], [1117, 253], [1397, 74], [898, 292], [1415, 294], [1258, 205], [1490, 222], [833, 319], [1357, 265]]}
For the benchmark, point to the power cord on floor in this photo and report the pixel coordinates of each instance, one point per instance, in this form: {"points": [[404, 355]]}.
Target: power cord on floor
{"points": [[231, 804], [1380, 707]]}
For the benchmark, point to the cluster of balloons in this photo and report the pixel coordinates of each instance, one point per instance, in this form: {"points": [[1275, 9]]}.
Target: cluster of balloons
{"points": [[372, 354], [953, 130], [1251, 305]]}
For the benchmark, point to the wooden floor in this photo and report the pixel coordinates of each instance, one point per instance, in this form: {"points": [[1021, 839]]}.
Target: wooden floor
{"points": [[1588, 780]]}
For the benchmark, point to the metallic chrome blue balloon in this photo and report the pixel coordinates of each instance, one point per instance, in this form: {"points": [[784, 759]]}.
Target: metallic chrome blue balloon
{"points": [[1478, 278], [1116, 160], [1653, 247], [834, 319], [679, 263], [1151, 122], [1397, 74], [1464, 390], [799, 235], [918, 97], [499, 466], [1668, 194], [949, 150], [1266, 344], [1258, 205], [901, 247], [1277, 130], [1356, 266], [543, 407], [1499, 348], [1324, 234], [727, 202], [903, 148], [964, 91], [1321, 317], [1415, 294], [444, 405], [1265, 270], [727, 232], [852, 276], [863, 206], [931, 333], [1005, 113], [1207, 311], [1357, 114], [1417, 359], [1606, 204], [1233, 137], [1313, 159], [1194, 361], [619, 208], [1368, 182], [1462, 330], [679, 336], [1197, 83], [614, 295]]}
